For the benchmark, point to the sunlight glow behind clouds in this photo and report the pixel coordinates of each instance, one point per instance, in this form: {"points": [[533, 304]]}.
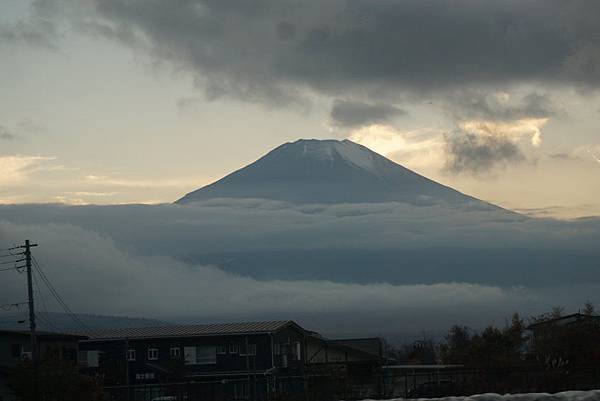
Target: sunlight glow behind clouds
{"points": [[515, 130], [18, 168], [420, 148]]}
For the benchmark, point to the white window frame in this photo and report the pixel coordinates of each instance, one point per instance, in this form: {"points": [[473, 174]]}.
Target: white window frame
{"points": [[175, 352], [152, 354], [131, 355], [222, 349], [234, 349]]}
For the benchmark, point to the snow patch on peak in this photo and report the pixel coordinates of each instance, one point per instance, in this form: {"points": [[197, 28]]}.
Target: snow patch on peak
{"points": [[357, 155], [352, 153], [318, 149]]}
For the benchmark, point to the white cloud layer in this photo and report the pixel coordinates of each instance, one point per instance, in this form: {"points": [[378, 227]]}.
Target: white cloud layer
{"points": [[131, 260]]}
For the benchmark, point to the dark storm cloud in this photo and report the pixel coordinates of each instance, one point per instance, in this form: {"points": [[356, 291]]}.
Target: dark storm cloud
{"points": [[471, 153], [351, 114], [36, 32], [271, 50], [493, 107]]}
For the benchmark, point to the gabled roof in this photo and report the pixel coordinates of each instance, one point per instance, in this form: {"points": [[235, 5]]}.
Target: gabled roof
{"points": [[567, 319], [340, 344], [196, 330], [370, 345], [49, 335]]}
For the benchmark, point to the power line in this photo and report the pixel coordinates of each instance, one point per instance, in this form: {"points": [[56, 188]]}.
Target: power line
{"points": [[8, 307], [13, 268], [11, 261], [59, 299], [6, 255], [45, 319], [48, 322]]}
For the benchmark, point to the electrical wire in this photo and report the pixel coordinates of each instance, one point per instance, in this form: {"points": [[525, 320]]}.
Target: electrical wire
{"points": [[47, 322], [11, 261], [8, 307], [6, 255], [59, 299], [45, 319], [13, 268]]}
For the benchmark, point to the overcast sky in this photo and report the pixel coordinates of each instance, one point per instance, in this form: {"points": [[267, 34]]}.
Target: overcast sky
{"points": [[142, 101], [114, 101]]}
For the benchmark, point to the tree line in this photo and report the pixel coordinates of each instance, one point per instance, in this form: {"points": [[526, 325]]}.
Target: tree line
{"points": [[545, 341]]}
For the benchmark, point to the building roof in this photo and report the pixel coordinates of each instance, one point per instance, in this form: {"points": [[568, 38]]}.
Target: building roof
{"points": [[422, 367], [197, 330], [567, 319], [340, 344], [49, 335], [369, 345]]}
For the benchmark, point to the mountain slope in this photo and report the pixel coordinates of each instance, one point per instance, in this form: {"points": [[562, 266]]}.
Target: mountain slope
{"points": [[328, 171]]}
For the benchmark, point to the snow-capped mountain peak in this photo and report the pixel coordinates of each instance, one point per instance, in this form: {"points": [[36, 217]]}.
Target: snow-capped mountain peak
{"points": [[349, 151], [328, 171]]}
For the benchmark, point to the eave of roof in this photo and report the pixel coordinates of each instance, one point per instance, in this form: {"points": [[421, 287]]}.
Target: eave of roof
{"points": [[205, 330], [44, 334], [577, 316]]}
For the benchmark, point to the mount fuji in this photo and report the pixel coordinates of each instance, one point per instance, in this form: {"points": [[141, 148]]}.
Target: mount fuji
{"points": [[329, 171]]}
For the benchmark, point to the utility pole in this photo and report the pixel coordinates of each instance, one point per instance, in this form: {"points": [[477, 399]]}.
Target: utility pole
{"points": [[34, 353], [27, 253]]}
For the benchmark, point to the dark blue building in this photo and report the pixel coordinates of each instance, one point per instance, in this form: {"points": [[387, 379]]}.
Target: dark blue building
{"points": [[225, 361]]}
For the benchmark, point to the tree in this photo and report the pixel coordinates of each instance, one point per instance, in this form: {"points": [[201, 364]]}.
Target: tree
{"points": [[565, 344], [456, 348], [588, 309], [54, 379]]}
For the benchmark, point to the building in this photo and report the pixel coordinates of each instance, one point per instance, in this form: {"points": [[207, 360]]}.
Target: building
{"points": [[15, 346], [343, 369], [237, 361], [574, 318]]}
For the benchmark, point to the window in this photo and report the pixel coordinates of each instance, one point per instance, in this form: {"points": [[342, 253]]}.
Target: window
{"points": [[221, 349], [234, 349], [152, 354], [298, 350], [206, 355], [175, 352], [82, 358], [202, 355], [15, 350], [277, 349], [89, 359], [250, 350], [131, 355]]}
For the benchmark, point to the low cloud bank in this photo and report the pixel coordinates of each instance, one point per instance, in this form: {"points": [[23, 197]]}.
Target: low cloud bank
{"points": [[253, 224], [98, 273]]}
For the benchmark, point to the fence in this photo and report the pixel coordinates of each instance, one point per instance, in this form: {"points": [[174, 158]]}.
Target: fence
{"points": [[449, 382], [389, 383]]}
